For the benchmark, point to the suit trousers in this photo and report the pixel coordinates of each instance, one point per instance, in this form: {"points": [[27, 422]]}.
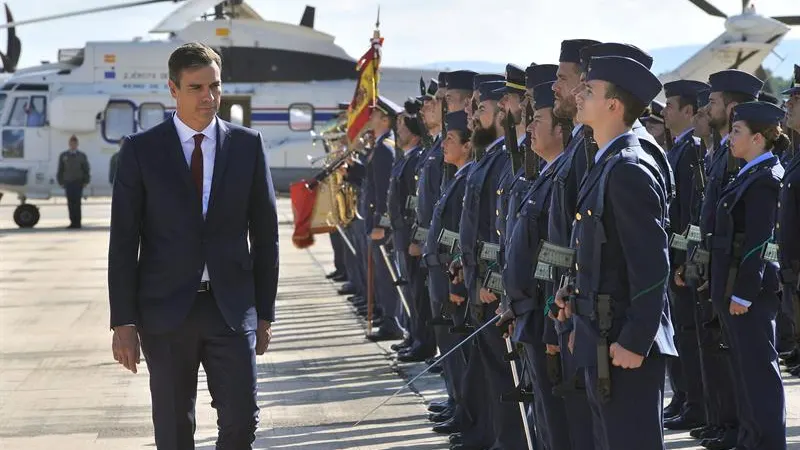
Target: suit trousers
{"points": [[74, 192], [229, 360]]}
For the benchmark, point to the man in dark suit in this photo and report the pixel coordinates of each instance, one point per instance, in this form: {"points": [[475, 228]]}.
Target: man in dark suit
{"points": [[181, 276]]}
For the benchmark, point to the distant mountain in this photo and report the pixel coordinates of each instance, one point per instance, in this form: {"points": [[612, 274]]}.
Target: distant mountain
{"points": [[664, 60]]}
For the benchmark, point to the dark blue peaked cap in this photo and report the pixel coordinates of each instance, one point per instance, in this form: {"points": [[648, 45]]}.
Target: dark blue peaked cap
{"points": [[614, 49], [460, 79], [732, 80], [702, 98], [442, 77], [412, 106], [484, 77], [492, 90], [456, 121], [627, 74], [767, 97], [656, 112], [515, 79], [795, 88], [571, 49], [413, 125], [543, 95], [538, 74], [685, 88], [759, 112], [388, 107]]}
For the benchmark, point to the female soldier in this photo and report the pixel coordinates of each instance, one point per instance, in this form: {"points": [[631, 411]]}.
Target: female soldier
{"points": [[744, 287]]}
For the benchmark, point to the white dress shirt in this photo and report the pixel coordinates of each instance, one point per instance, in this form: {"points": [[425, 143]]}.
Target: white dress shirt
{"points": [[209, 148]]}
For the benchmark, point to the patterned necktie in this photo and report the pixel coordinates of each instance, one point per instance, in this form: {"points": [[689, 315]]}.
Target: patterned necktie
{"points": [[197, 164]]}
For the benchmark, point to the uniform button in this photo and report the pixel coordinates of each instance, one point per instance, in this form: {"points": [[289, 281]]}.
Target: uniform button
{"points": [[498, 232], [777, 226], [576, 267], [589, 212], [416, 177], [781, 184], [724, 205], [577, 241], [499, 191], [497, 212], [577, 291], [779, 204], [577, 216]]}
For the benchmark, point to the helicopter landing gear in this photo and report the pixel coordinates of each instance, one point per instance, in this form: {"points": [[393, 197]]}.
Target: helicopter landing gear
{"points": [[26, 215]]}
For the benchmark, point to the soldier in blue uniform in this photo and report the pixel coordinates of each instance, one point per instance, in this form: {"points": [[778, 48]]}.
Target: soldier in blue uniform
{"points": [[403, 184], [728, 89], [438, 253], [788, 237], [561, 214], [685, 156], [375, 188], [743, 285], [654, 122], [459, 90], [472, 106], [493, 424], [622, 330], [526, 294]]}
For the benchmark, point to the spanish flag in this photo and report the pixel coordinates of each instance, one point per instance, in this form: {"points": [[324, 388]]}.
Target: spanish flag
{"points": [[366, 93]]}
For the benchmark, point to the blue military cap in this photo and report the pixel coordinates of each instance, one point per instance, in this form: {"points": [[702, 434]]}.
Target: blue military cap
{"points": [[515, 79], [655, 112], [388, 107], [537, 74], [685, 88], [413, 125], [456, 121], [483, 77], [732, 80], [571, 49], [412, 106], [461, 79], [767, 97], [702, 98], [433, 86], [795, 87], [543, 95], [442, 77], [614, 49], [759, 112], [492, 90], [626, 74]]}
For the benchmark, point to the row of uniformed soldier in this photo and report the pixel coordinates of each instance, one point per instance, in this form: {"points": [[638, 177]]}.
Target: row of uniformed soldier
{"points": [[614, 249]]}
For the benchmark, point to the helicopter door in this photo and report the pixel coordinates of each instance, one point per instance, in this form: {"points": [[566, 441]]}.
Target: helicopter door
{"points": [[26, 134], [236, 109]]}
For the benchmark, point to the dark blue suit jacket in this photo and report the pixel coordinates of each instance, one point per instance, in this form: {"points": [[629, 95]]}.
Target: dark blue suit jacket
{"points": [[160, 243]]}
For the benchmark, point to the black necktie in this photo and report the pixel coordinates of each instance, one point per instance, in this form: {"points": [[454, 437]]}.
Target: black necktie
{"points": [[197, 165]]}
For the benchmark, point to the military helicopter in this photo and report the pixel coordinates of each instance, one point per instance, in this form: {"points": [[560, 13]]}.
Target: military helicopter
{"points": [[281, 79]]}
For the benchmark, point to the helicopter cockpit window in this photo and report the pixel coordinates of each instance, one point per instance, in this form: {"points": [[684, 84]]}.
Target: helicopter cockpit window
{"points": [[28, 112], [119, 120], [301, 117], [150, 115]]}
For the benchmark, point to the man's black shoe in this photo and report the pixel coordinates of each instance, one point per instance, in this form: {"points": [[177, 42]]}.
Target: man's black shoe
{"points": [[674, 408], [447, 427], [414, 354], [438, 406], [340, 278], [333, 275], [402, 345], [683, 422], [706, 432], [347, 289], [726, 441], [381, 334], [456, 438], [443, 416]]}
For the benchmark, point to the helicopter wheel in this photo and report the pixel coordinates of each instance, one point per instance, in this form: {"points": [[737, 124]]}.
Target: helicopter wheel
{"points": [[26, 215]]}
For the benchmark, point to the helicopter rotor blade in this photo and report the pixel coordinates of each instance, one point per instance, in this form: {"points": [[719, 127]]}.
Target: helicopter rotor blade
{"points": [[84, 11], [709, 8], [788, 20]]}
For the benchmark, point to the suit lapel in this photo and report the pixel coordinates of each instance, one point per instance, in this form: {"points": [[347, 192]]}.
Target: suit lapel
{"points": [[175, 149], [220, 163]]}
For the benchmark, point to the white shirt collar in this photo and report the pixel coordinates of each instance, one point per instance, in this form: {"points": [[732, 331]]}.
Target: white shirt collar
{"points": [[683, 134], [600, 152], [724, 140], [186, 133], [520, 140], [760, 158], [577, 129], [464, 167], [548, 164], [491, 146]]}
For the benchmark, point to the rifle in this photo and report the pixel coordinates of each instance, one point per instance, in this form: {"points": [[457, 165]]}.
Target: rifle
{"points": [[330, 168], [531, 159], [511, 144], [589, 146], [478, 150], [448, 170], [427, 141]]}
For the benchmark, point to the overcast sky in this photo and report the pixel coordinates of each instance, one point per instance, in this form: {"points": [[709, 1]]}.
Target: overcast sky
{"points": [[420, 31]]}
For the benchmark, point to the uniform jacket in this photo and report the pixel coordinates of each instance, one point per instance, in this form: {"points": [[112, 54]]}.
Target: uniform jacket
{"points": [[747, 205], [73, 167], [375, 187], [402, 184], [622, 252], [429, 168]]}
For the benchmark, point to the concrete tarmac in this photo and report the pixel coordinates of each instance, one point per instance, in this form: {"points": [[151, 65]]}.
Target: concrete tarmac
{"points": [[60, 387]]}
